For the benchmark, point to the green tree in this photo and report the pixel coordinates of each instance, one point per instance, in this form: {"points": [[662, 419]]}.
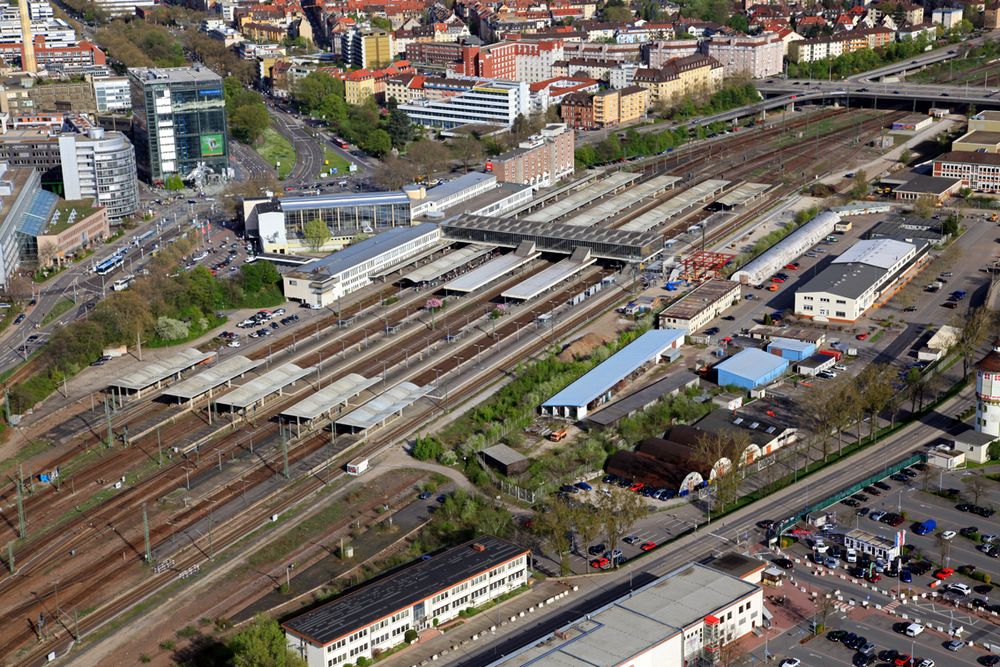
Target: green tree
{"points": [[377, 142], [380, 22], [315, 233], [332, 109], [263, 644], [312, 89], [248, 122], [739, 23], [859, 187], [429, 157], [618, 511], [258, 276], [174, 182], [170, 329], [618, 14], [399, 128], [427, 448]]}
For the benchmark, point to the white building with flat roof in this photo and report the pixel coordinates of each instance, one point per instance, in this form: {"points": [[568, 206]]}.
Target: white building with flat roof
{"points": [[682, 618], [486, 103]]}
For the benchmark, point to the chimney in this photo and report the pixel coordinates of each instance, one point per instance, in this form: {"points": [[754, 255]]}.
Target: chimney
{"points": [[478, 547], [28, 63]]}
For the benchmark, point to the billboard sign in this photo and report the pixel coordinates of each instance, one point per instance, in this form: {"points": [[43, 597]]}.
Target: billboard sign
{"points": [[212, 145]]}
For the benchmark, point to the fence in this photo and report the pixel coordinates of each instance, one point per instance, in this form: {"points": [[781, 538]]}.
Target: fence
{"points": [[890, 469]]}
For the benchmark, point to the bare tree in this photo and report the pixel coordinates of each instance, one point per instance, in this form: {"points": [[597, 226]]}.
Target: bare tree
{"points": [[430, 157], [554, 526], [974, 328], [467, 150], [875, 392], [976, 485], [395, 172], [618, 512]]}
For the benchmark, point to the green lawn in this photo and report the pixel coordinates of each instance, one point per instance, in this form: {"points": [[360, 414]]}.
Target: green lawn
{"points": [[336, 161], [58, 309], [275, 148]]}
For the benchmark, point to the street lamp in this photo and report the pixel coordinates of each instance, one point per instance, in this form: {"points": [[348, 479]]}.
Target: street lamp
{"points": [[288, 575]]}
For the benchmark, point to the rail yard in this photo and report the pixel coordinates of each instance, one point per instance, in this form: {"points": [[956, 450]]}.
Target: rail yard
{"points": [[152, 487]]}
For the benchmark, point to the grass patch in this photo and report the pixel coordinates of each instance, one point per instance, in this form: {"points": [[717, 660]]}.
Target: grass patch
{"points": [[61, 307], [275, 148], [33, 448], [193, 333], [300, 534], [335, 161]]}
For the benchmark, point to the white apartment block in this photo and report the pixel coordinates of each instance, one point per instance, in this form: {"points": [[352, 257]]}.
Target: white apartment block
{"points": [[488, 102], [113, 94], [377, 616], [758, 56]]}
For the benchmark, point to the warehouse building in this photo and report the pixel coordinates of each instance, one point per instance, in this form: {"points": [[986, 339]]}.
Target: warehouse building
{"points": [[791, 349], [673, 461], [772, 260], [320, 283], [603, 382], [750, 368], [685, 617], [376, 616], [700, 306], [912, 123], [858, 279], [765, 433]]}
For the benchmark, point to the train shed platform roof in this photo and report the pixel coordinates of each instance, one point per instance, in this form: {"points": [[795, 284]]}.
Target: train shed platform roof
{"points": [[272, 382], [602, 242], [154, 372], [488, 272], [647, 347], [581, 198], [385, 405], [676, 205], [446, 263], [597, 214], [553, 275], [741, 194], [329, 397], [213, 377]]}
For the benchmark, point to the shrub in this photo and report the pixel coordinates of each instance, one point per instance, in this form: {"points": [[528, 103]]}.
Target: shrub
{"points": [[168, 644], [410, 636]]}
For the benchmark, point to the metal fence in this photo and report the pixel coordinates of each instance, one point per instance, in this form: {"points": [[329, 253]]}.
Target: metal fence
{"points": [[888, 470]]}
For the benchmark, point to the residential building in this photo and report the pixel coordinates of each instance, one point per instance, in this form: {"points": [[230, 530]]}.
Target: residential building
{"points": [[552, 91], [657, 54], [758, 56], [978, 171], [375, 617], [991, 16], [485, 102], [178, 122], [361, 84], [81, 55], [55, 230], [577, 111], [112, 95], [679, 78], [608, 108], [685, 617], [863, 276], [434, 53], [811, 50], [633, 101], [947, 17], [540, 161], [369, 51], [323, 282], [521, 60], [100, 166], [123, 7]]}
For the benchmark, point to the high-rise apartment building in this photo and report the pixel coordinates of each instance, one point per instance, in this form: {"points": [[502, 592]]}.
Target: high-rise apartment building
{"points": [[757, 56], [370, 51], [540, 161], [100, 165], [178, 121]]}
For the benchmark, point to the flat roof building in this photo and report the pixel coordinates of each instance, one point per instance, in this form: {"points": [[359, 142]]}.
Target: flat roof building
{"points": [[701, 305], [323, 281], [599, 385], [680, 618], [936, 188], [376, 616], [858, 279], [977, 170], [643, 398], [750, 368]]}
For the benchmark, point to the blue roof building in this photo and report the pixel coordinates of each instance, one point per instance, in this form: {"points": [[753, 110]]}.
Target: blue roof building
{"points": [[791, 349], [601, 383], [750, 368]]}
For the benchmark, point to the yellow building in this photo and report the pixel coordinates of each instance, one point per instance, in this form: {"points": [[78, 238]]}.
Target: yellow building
{"points": [[606, 112], [633, 103], [691, 76], [359, 86]]}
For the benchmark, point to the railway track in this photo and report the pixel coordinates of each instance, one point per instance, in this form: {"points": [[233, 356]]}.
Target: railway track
{"points": [[302, 489]]}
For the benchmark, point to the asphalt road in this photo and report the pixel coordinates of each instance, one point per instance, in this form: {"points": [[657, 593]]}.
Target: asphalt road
{"points": [[310, 145], [708, 540]]}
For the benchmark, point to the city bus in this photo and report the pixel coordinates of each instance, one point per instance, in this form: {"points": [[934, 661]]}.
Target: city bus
{"points": [[142, 238], [109, 265]]}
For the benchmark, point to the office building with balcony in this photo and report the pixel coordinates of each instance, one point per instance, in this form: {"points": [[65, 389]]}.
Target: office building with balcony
{"points": [[483, 103]]}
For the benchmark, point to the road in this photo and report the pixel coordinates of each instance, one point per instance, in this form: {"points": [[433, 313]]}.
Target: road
{"points": [[80, 284], [310, 145], [805, 90], [928, 58], [712, 539], [248, 163]]}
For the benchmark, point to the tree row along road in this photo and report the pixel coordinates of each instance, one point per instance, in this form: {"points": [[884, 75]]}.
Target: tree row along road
{"points": [[723, 534], [489, 369]]}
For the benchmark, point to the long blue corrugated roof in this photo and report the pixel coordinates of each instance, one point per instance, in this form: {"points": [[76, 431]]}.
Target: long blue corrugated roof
{"points": [[340, 200], [624, 362], [752, 363]]}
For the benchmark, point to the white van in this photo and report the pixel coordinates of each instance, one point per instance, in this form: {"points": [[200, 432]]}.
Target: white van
{"points": [[851, 556], [914, 629]]}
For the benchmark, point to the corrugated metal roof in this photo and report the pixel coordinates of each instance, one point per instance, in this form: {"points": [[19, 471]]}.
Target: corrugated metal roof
{"points": [[624, 362], [881, 253], [384, 405], [211, 378], [155, 371], [752, 363], [330, 397], [359, 253], [336, 201], [260, 388], [791, 344]]}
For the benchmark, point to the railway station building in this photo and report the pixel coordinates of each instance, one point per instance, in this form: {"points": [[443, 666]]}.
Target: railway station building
{"points": [[375, 617], [684, 617]]}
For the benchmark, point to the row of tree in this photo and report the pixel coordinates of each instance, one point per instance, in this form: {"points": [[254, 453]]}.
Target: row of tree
{"points": [[140, 44], [859, 61], [245, 111], [157, 309]]}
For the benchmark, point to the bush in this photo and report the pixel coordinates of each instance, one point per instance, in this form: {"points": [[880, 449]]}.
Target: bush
{"points": [[170, 329], [168, 644], [427, 448], [410, 636]]}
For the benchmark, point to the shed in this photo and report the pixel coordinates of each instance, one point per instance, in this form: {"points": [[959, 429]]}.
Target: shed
{"points": [[504, 459], [974, 444], [750, 368], [791, 349], [815, 364]]}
